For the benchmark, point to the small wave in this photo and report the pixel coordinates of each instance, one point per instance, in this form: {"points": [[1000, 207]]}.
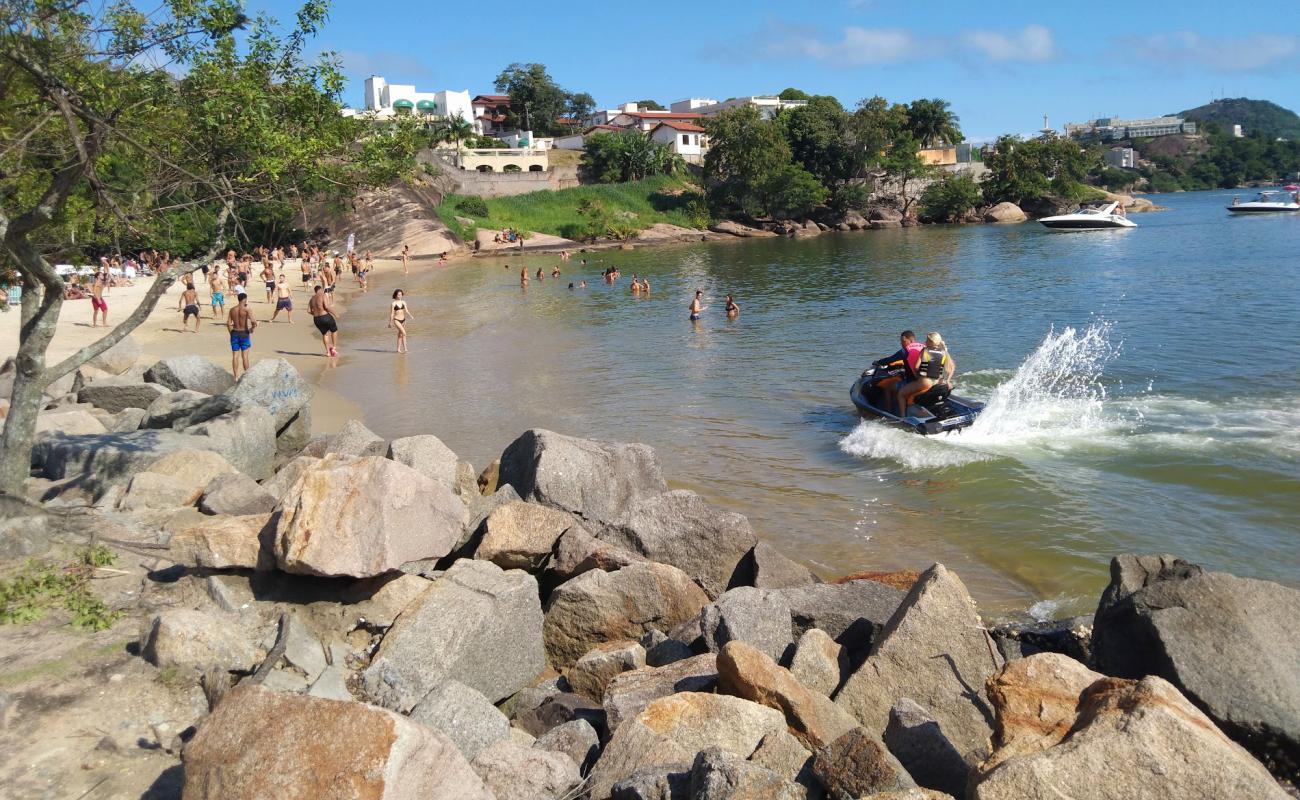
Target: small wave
{"points": [[874, 439]]}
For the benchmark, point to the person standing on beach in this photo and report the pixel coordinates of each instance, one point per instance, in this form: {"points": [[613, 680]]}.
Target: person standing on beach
{"points": [[268, 278], [98, 305], [406, 258], [697, 306], [322, 314], [241, 324], [327, 278], [397, 318], [305, 264], [189, 305], [216, 287], [283, 300]]}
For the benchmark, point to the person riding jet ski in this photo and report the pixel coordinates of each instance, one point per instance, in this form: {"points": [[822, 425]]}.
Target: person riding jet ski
{"points": [[907, 344], [927, 365]]}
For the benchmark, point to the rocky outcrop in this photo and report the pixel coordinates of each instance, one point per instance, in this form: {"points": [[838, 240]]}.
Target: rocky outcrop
{"points": [[245, 436], [514, 770], [598, 607], [680, 529], [174, 480], [182, 637], [731, 228], [1004, 212], [321, 749], [592, 673], [1128, 739], [426, 454], [935, 651], [819, 662], [355, 439], [275, 386], [749, 615], [195, 373], [225, 542], [113, 396], [576, 739], [595, 481], [628, 694], [765, 567], [476, 624], [520, 535], [467, 717], [235, 493], [919, 744], [1228, 643], [364, 516]]}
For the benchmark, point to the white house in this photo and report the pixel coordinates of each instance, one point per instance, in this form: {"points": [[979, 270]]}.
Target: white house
{"points": [[767, 104], [645, 121], [692, 104], [686, 139], [577, 141], [488, 113], [384, 99]]}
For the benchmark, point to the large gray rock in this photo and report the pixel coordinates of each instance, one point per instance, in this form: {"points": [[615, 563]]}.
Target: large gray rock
{"points": [[114, 397], [246, 437], [596, 481], [119, 358], [476, 624], [514, 770], [658, 782], [520, 535], [858, 764], [190, 372], [279, 484], [673, 729], [853, 613], [364, 516], [236, 493], [819, 662], [592, 673], [576, 739], [168, 408], [225, 542], [935, 651], [918, 742], [182, 637], [628, 694], [680, 529], [765, 567], [749, 615], [598, 607], [1004, 212], [1227, 643], [293, 436], [303, 650], [577, 551], [74, 421], [355, 439], [319, 748], [1129, 739], [718, 775], [559, 709], [467, 717], [426, 454], [210, 408], [274, 385]]}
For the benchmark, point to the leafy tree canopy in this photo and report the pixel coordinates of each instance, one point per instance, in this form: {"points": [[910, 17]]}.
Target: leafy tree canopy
{"points": [[537, 101], [626, 156], [649, 105], [791, 93]]}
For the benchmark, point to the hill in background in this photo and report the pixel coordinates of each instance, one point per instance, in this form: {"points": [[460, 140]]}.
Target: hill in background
{"points": [[1252, 115]]}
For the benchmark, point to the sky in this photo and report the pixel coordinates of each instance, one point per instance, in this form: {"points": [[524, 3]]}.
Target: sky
{"points": [[1002, 65]]}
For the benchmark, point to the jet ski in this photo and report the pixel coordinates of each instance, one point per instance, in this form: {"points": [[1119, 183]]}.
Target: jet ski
{"points": [[936, 411]]}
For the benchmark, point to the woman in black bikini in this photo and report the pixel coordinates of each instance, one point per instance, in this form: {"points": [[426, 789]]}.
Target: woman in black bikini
{"points": [[397, 318]]}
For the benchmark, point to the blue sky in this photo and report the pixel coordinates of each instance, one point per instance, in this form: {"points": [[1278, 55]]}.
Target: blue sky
{"points": [[1002, 65]]}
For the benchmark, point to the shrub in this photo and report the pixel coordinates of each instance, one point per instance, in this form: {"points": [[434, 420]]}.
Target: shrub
{"points": [[473, 206], [950, 198]]}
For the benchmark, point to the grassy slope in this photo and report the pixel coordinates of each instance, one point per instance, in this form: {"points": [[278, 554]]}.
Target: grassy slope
{"points": [[653, 200]]}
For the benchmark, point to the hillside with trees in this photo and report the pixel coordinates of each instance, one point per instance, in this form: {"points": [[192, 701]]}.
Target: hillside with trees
{"points": [[1254, 117]]}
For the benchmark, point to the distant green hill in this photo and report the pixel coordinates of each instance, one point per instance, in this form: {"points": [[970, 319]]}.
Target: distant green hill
{"points": [[1254, 116]]}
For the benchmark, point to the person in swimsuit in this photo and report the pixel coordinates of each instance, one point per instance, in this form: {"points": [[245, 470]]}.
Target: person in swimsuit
{"points": [[283, 300], [523, 277], [636, 284], [323, 316], [555, 273], [241, 325], [327, 278], [442, 259], [305, 265], [268, 278], [406, 258], [697, 305], [540, 275], [397, 318], [733, 310], [216, 287], [645, 286], [98, 305], [189, 305]]}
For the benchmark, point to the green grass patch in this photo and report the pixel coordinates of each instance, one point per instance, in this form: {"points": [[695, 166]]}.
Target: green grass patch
{"points": [[635, 206], [39, 586]]}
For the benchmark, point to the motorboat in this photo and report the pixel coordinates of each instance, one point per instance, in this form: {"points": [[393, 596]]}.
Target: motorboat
{"points": [[936, 411], [1268, 203], [1100, 218]]}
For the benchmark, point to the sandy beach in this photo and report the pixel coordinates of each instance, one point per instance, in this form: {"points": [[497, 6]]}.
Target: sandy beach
{"points": [[161, 335]]}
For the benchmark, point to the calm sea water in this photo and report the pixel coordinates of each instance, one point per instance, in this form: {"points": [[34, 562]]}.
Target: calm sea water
{"points": [[1142, 388]]}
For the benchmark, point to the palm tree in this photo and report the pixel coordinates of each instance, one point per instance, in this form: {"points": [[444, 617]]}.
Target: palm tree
{"points": [[932, 122], [457, 128]]}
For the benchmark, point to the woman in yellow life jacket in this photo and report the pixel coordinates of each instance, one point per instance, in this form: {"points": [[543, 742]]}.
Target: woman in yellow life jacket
{"points": [[931, 364]]}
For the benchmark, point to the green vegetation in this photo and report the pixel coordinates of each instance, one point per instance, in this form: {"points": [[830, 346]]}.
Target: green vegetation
{"points": [[950, 198], [1254, 116], [40, 586], [537, 102], [627, 156], [649, 105], [1228, 162], [633, 206], [1024, 170]]}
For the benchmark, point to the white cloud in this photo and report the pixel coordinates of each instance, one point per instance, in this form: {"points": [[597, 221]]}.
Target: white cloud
{"points": [[1034, 43], [859, 46], [1222, 53]]}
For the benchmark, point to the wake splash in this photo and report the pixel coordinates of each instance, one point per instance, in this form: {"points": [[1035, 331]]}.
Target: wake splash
{"points": [[1055, 399]]}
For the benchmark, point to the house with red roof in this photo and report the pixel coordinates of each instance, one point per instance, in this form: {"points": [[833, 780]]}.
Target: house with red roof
{"points": [[687, 139]]}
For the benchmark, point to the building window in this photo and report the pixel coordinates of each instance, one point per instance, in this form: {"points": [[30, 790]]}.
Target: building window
{"points": [[686, 138]]}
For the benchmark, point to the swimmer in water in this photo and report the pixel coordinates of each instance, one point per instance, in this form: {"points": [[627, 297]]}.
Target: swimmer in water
{"points": [[733, 310]]}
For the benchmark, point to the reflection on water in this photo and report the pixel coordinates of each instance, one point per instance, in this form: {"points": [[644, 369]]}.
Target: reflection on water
{"points": [[1154, 430]]}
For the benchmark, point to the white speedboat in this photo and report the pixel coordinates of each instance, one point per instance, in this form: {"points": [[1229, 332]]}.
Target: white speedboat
{"points": [[1268, 203], [1102, 218]]}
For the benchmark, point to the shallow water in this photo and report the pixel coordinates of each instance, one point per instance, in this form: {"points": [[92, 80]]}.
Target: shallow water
{"points": [[1141, 384]]}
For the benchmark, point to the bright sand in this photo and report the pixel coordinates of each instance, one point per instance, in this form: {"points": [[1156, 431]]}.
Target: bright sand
{"points": [[161, 334]]}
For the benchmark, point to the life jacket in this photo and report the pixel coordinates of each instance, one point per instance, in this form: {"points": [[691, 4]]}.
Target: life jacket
{"points": [[931, 362]]}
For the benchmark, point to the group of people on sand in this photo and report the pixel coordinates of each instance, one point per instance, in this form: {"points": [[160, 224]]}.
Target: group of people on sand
{"points": [[924, 366]]}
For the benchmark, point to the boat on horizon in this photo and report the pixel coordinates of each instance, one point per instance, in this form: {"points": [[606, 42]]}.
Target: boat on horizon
{"points": [[1268, 203], [1100, 218]]}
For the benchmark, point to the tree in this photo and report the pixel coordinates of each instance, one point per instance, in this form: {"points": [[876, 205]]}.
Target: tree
{"points": [[619, 157], [791, 93], [950, 198], [454, 129], [649, 105], [579, 106], [903, 166], [745, 151], [102, 141], [821, 141], [791, 192], [536, 100], [931, 122]]}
